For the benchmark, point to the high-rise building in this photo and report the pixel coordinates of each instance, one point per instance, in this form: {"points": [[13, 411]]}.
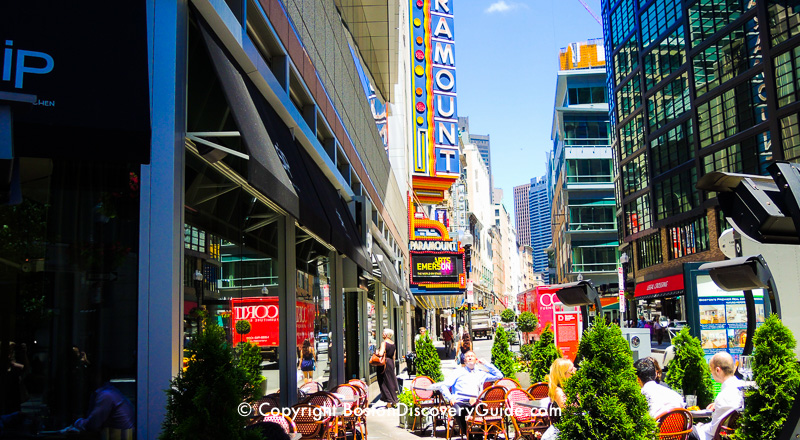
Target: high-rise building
{"points": [[581, 176], [697, 86], [539, 208], [522, 214]]}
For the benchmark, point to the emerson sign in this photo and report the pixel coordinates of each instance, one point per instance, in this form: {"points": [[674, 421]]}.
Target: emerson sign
{"points": [[433, 268]]}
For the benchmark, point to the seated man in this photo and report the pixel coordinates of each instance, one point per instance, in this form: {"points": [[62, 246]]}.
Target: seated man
{"points": [[463, 388], [729, 397], [109, 409], [660, 399]]}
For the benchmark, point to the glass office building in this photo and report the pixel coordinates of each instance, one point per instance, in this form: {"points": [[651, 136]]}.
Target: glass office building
{"points": [[696, 86]]}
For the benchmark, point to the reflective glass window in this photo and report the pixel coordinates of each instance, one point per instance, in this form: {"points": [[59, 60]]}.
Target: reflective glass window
{"points": [[787, 76], [672, 148], [784, 19], [626, 60], [635, 175], [637, 215], [589, 171], [688, 237], [658, 17], [631, 136], [588, 129], [591, 215], [594, 256], [729, 56], [669, 103], [734, 111], [648, 250], [629, 97], [790, 137], [586, 95], [622, 21], [706, 17], [665, 58], [750, 156], [676, 194]]}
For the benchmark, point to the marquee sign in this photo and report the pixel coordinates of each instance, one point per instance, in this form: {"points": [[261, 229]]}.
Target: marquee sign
{"points": [[438, 270], [435, 136]]}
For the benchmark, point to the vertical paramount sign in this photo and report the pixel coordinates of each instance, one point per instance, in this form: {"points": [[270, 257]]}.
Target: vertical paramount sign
{"points": [[436, 150]]}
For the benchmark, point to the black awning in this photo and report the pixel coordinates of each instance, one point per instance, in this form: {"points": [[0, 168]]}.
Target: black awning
{"points": [[661, 295], [389, 276], [265, 171], [305, 180], [344, 233]]}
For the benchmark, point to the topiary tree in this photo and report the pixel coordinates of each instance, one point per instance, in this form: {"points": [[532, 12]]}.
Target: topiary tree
{"points": [[502, 358], [688, 370], [508, 315], [777, 375], [604, 401], [203, 400], [428, 362], [248, 357], [527, 322], [543, 354]]}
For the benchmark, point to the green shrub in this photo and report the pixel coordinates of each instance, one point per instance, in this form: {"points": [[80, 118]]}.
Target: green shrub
{"points": [[249, 360], [604, 401], [428, 362], [526, 322], [544, 352], [688, 371], [406, 398], [243, 327], [508, 315], [777, 375], [502, 358], [202, 401]]}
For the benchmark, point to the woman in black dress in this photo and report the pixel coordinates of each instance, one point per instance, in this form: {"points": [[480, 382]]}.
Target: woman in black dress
{"points": [[386, 375]]}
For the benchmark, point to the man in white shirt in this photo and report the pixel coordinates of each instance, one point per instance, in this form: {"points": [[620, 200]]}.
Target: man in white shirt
{"points": [[660, 399], [463, 388], [729, 397]]}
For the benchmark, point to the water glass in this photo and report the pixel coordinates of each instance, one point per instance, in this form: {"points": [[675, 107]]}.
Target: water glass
{"points": [[691, 400], [746, 367]]}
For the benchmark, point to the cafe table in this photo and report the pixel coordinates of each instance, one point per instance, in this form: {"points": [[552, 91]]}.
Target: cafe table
{"points": [[701, 414], [535, 403]]}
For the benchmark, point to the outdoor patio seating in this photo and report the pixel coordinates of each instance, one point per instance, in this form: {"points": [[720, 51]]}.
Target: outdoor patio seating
{"points": [[674, 425], [527, 424], [488, 415], [507, 383], [539, 390], [286, 423], [349, 422], [423, 397], [312, 423], [727, 425]]}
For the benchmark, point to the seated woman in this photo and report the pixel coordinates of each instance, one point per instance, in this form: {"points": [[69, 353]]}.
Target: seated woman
{"points": [[560, 372]]}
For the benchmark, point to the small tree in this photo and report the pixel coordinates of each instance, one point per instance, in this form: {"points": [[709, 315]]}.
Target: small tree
{"points": [[508, 315], [527, 322], [545, 352], [249, 360], [777, 375], [428, 362], [202, 402], [604, 401], [502, 358], [688, 370]]}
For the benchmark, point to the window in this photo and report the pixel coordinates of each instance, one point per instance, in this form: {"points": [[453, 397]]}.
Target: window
{"points": [[706, 17], [726, 58], [631, 136], [665, 58], [586, 95], [589, 171], [634, 174], [668, 103], [790, 135], [586, 129], [629, 98], [676, 194], [622, 21], [733, 111], [594, 256], [672, 148], [626, 60], [784, 20], [750, 156], [787, 79], [688, 238], [658, 17], [637, 215], [648, 250], [591, 215]]}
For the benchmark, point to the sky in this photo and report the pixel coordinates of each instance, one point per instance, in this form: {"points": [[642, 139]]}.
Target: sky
{"points": [[507, 60]]}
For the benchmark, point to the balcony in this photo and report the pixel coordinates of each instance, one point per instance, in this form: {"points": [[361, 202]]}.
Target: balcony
{"points": [[594, 267], [592, 227]]}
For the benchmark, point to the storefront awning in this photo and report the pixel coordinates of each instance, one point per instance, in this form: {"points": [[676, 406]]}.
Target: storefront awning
{"points": [[437, 299], [383, 268], [264, 168], [660, 288]]}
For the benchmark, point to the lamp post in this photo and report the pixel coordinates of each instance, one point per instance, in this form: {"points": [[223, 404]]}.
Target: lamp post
{"points": [[198, 288], [466, 242], [623, 262]]}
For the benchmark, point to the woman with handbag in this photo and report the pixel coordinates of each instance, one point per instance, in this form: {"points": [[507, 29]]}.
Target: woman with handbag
{"points": [[387, 380], [307, 363]]}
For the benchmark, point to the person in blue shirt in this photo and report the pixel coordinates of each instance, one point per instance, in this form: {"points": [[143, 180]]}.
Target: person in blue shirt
{"points": [[463, 388]]}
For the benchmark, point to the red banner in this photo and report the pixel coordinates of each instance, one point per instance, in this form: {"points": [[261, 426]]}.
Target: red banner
{"points": [[661, 285], [568, 333], [263, 315]]}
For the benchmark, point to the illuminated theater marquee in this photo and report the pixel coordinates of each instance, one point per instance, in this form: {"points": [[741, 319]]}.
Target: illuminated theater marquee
{"points": [[436, 148]]}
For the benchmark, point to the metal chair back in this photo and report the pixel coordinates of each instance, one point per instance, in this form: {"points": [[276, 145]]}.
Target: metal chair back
{"points": [[674, 425], [539, 390], [727, 425]]}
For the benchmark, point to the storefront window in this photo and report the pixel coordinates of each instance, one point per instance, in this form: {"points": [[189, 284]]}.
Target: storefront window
{"points": [[69, 273], [313, 321]]}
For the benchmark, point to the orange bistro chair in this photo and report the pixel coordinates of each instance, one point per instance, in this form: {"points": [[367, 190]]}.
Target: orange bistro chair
{"points": [[675, 424], [488, 415]]}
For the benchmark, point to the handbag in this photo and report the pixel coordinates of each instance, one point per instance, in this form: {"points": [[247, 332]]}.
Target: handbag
{"points": [[377, 361]]}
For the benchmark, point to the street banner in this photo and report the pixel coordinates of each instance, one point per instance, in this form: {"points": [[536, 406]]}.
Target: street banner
{"points": [[568, 333], [621, 280], [470, 293]]}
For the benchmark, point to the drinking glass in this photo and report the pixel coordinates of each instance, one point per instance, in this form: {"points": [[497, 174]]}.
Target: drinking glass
{"points": [[746, 367], [691, 400]]}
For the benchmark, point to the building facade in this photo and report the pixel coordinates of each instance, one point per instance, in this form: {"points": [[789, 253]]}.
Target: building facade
{"points": [[539, 207], [584, 228], [696, 86], [522, 214]]}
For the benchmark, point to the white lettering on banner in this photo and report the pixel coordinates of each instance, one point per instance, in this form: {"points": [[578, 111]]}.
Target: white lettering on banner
{"points": [[451, 81], [549, 297], [449, 134], [446, 246], [443, 53], [440, 107], [658, 285], [21, 68], [442, 29], [449, 155], [256, 312], [443, 4]]}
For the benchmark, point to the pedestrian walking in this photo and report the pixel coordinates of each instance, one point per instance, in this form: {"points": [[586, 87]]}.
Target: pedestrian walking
{"points": [[387, 379], [447, 335], [464, 345]]}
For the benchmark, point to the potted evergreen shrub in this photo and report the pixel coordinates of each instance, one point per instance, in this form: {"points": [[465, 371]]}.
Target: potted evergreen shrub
{"points": [[543, 353], [203, 401], [604, 401], [248, 357], [406, 408], [527, 322], [777, 376], [428, 362], [688, 370], [502, 358], [507, 315]]}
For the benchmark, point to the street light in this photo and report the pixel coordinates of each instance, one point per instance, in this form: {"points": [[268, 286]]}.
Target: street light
{"points": [[466, 240], [264, 291]]}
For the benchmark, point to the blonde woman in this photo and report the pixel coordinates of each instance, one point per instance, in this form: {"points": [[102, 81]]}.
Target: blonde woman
{"points": [[561, 370]]}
